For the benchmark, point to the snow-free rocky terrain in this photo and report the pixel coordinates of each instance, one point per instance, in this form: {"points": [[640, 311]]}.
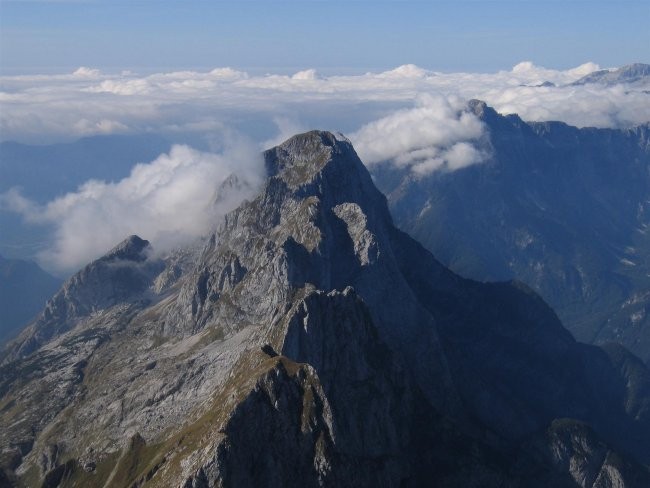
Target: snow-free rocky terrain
{"points": [[565, 210], [312, 343]]}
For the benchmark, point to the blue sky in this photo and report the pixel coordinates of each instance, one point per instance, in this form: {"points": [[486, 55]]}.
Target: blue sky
{"points": [[332, 36]]}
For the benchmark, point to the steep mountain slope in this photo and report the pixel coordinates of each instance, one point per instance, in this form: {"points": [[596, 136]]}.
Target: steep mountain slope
{"points": [[311, 343], [562, 209], [24, 288], [118, 277]]}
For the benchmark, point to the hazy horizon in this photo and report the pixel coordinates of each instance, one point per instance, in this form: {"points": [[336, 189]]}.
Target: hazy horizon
{"points": [[475, 36]]}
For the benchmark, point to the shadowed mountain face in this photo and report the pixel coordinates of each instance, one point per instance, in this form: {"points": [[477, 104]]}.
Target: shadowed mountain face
{"points": [[24, 288], [563, 209], [312, 343]]}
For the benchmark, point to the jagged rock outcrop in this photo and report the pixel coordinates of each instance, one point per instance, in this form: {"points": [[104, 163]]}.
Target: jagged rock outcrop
{"points": [[336, 360], [311, 343]]}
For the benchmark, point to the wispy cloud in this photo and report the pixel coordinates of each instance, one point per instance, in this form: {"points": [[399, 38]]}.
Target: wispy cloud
{"points": [[172, 200]]}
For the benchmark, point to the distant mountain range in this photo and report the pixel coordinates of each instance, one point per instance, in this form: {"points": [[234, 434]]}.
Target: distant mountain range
{"points": [[309, 342], [24, 289], [630, 73], [565, 210]]}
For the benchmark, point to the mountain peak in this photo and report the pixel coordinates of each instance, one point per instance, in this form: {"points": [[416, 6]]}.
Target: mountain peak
{"points": [[311, 340], [120, 276], [130, 249], [324, 165], [482, 110], [301, 157], [625, 74], [320, 137]]}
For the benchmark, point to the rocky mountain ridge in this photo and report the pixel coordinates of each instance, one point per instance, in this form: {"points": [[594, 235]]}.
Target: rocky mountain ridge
{"points": [[560, 208], [311, 343]]}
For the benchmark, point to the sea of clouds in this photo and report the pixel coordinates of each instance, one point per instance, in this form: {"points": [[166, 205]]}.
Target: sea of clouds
{"points": [[38, 108], [410, 117]]}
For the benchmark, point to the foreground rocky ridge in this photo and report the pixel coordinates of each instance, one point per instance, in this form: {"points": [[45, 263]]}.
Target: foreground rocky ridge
{"points": [[311, 343]]}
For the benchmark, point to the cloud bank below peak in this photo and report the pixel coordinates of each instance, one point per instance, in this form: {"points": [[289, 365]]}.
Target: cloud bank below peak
{"points": [[438, 134], [46, 108]]}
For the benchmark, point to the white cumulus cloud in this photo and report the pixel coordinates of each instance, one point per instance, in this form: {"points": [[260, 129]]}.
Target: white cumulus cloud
{"points": [[85, 72], [437, 134], [172, 200]]}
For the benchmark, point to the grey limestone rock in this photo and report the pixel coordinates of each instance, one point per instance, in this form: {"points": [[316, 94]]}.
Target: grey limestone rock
{"points": [[308, 343]]}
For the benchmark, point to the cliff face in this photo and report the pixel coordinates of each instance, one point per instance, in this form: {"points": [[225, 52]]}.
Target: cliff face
{"points": [[310, 343]]}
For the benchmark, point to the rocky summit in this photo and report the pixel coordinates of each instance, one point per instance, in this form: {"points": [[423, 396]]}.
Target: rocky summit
{"points": [[312, 343]]}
